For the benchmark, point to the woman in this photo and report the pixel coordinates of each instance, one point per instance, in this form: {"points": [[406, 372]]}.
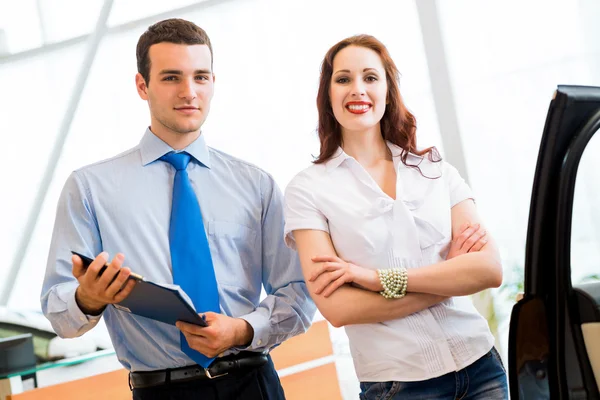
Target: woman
{"points": [[390, 240]]}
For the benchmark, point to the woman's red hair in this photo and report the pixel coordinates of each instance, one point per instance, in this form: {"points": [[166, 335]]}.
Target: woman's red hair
{"points": [[398, 125]]}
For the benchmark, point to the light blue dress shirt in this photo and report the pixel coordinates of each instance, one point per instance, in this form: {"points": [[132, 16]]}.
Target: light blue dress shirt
{"points": [[123, 204]]}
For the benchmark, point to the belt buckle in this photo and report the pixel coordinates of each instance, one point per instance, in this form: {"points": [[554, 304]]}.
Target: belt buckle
{"points": [[209, 376]]}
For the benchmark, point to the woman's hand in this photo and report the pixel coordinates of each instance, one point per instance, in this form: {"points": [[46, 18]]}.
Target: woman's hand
{"points": [[471, 239], [333, 272]]}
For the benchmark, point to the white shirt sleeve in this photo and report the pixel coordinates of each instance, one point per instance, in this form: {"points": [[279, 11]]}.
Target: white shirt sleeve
{"points": [[459, 190], [300, 209]]}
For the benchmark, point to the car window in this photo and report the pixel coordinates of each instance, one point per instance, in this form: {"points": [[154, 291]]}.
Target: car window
{"points": [[585, 231]]}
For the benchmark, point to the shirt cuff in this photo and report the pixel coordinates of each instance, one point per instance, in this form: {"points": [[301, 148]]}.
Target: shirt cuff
{"points": [[259, 321], [78, 315]]}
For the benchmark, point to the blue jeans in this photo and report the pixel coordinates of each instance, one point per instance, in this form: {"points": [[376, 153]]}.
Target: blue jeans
{"points": [[484, 379]]}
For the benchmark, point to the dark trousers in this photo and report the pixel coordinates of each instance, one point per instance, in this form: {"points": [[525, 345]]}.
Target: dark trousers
{"points": [[256, 384]]}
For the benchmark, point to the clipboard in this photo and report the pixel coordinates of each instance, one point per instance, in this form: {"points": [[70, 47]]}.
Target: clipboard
{"points": [[155, 301]]}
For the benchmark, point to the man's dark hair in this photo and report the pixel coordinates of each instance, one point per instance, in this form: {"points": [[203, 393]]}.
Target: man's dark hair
{"points": [[174, 30]]}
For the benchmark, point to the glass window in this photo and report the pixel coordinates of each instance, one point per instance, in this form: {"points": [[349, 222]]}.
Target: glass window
{"points": [[126, 10], [66, 19], [19, 26], [33, 101], [505, 61], [585, 226]]}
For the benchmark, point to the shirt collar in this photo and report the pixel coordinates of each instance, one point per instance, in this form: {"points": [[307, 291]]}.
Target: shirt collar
{"points": [[336, 159], [397, 152], [152, 148]]}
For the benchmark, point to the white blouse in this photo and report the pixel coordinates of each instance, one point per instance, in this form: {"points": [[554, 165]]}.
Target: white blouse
{"points": [[370, 229]]}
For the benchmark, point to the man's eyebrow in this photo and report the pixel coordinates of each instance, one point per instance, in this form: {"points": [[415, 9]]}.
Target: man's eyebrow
{"points": [[179, 72], [171, 72]]}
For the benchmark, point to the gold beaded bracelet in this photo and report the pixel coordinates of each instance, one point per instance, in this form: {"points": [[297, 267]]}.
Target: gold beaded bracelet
{"points": [[394, 282]]}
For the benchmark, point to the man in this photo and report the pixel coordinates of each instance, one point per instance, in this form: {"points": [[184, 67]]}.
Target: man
{"points": [[151, 203]]}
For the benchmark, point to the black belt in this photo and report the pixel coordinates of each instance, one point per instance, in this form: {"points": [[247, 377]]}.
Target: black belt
{"points": [[220, 367]]}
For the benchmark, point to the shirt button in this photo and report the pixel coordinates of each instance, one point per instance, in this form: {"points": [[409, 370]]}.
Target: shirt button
{"points": [[81, 319], [259, 342]]}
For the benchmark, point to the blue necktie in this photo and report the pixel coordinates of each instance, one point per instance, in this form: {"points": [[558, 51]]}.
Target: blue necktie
{"points": [[190, 255]]}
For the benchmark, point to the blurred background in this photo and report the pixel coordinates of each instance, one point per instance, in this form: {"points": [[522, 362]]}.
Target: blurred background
{"points": [[478, 76]]}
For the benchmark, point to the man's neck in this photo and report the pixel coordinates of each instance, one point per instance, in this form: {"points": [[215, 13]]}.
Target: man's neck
{"points": [[177, 141]]}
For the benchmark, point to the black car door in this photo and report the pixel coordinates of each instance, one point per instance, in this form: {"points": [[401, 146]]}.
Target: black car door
{"points": [[554, 339]]}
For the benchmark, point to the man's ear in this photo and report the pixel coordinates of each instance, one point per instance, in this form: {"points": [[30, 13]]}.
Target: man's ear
{"points": [[142, 88]]}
